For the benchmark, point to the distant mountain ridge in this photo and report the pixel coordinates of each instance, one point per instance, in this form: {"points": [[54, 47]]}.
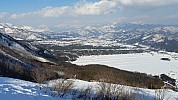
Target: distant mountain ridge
{"points": [[163, 37]]}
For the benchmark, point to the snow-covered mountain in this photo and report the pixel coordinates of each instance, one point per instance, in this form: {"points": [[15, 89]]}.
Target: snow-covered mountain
{"points": [[162, 37], [121, 29], [21, 32], [158, 36]]}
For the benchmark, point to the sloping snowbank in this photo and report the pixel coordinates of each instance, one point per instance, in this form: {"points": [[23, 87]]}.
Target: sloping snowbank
{"points": [[15, 89]]}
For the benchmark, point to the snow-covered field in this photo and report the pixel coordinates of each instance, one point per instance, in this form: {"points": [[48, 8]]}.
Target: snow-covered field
{"points": [[15, 89], [149, 63]]}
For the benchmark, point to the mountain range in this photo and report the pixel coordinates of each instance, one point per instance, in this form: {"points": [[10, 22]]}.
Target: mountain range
{"points": [[162, 37]]}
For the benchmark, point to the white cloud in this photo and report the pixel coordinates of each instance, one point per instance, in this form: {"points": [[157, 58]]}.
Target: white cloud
{"points": [[172, 16], [148, 2], [54, 11], [91, 8], [81, 8], [45, 12], [15, 16], [96, 8], [3, 14], [22, 15]]}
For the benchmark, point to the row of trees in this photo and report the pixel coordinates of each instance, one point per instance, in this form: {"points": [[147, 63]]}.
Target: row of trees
{"points": [[112, 75]]}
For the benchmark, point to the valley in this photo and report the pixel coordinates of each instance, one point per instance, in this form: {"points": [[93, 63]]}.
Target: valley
{"points": [[89, 55]]}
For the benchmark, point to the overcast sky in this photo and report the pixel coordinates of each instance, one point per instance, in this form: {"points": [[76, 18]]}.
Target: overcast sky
{"points": [[80, 12]]}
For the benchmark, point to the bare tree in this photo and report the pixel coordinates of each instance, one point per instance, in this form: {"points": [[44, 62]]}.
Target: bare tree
{"points": [[64, 87], [160, 94]]}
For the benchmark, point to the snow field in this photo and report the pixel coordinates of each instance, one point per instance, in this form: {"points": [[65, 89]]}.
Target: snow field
{"points": [[149, 63]]}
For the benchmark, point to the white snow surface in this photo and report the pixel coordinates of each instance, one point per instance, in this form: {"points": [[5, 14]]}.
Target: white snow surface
{"points": [[15, 89], [8, 30], [149, 63], [41, 59]]}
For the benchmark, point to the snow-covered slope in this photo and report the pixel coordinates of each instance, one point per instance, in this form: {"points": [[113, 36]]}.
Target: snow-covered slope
{"points": [[10, 42], [14, 89], [20, 33], [26, 49]]}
